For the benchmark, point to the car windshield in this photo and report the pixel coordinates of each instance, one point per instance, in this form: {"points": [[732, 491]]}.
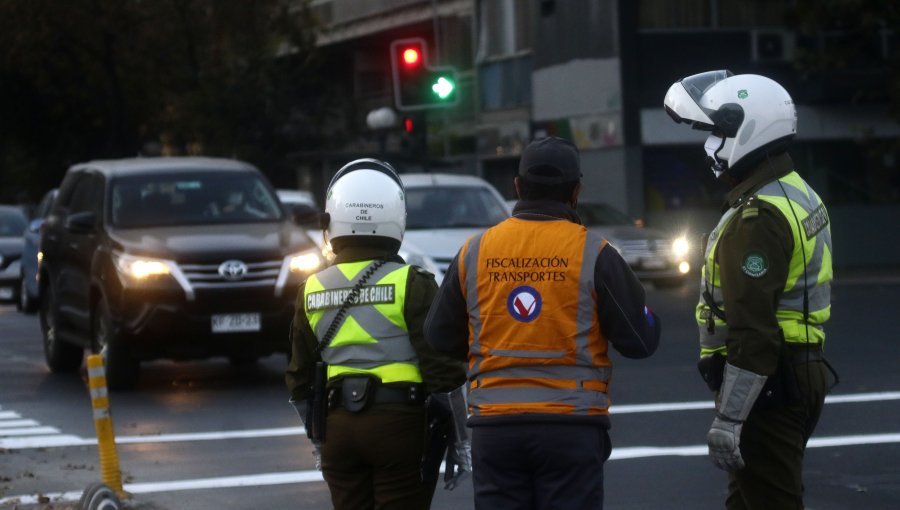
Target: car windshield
{"points": [[595, 215], [12, 223], [192, 199], [452, 207]]}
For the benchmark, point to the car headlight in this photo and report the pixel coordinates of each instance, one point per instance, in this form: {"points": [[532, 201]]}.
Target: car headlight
{"points": [[142, 268], [680, 246], [304, 262]]}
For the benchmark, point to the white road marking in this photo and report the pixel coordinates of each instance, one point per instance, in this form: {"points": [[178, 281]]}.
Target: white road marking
{"points": [[290, 477], [690, 406], [18, 423], [44, 440], [28, 431]]}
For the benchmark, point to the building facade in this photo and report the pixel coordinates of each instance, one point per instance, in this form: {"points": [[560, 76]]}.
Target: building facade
{"points": [[596, 71]]}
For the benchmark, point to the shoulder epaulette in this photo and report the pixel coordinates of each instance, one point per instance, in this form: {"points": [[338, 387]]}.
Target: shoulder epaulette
{"points": [[422, 271], [750, 209]]}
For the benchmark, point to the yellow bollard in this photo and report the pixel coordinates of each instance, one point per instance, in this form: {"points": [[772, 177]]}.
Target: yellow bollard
{"points": [[106, 440]]}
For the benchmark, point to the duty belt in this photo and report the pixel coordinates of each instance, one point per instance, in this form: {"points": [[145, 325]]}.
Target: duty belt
{"points": [[801, 353], [413, 394]]}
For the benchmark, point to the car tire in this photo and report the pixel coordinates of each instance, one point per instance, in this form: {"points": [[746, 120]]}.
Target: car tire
{"points": [[61, 356], [26, 304], [122, 369]]}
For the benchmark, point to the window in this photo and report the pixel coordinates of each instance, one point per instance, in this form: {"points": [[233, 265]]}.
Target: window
{"points": [[86, 197], [666, 14], [505, 28], [505, 38], [192, 199], [505, 84], [12, 223], [452, 207]]}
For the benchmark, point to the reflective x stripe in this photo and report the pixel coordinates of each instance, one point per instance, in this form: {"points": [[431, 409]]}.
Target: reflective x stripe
{"points": [[391, 343]]}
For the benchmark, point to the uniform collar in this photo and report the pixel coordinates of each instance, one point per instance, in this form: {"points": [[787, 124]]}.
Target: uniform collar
{"points": [[545, 210], [765, 172], [355, 253]]}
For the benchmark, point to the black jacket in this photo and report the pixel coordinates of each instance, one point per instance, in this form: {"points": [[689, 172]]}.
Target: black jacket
{"points": [[631, 328]]}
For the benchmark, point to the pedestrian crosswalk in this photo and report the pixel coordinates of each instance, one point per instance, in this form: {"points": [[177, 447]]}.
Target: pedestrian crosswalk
{"points": [[18, 432]]}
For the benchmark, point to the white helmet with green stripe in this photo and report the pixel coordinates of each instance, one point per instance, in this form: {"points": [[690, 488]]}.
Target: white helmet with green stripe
{"points": [[748, 115]]}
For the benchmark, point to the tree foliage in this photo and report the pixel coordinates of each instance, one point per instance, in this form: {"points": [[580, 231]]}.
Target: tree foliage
{"points": [[89, 79], [856, 34]]}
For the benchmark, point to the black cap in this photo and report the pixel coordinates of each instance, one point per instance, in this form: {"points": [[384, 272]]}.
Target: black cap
{"points": [[550, 160]]}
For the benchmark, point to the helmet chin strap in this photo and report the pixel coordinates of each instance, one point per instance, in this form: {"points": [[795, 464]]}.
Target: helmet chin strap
{"points": [[712, 146]]}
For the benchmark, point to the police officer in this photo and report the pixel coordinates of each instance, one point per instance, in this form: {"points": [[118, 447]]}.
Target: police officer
{"points": [[533, 304], [765, 288], [363, 316]]}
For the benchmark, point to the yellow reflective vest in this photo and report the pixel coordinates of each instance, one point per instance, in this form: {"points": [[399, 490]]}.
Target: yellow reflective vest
{"points": [[373, 337], [811, 230]]}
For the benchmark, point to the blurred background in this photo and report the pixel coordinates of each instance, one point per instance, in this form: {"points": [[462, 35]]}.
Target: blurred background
{"points": [[288, 85]]}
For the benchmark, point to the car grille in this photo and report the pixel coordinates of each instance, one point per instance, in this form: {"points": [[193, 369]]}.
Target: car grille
{"points": [[643, 248], [206, 276]]}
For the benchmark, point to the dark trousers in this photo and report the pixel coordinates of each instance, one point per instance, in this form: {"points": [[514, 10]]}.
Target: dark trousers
{"points": [[539, 466], [773, 441], [372, 460]]}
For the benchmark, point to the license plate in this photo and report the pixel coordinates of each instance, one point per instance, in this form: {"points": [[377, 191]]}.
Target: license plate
{"points": [[653, 263], [6, 292], [235, 322]]}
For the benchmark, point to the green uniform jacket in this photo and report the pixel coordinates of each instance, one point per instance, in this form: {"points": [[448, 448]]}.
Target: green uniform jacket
{"points": [[439, 372], [754, 340]]}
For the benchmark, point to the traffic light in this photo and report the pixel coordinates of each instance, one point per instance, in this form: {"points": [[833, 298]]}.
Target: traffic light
{"points": [[418, 86]]}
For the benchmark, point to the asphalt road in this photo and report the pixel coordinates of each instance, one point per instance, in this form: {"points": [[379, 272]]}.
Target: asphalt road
{"points": [[205, 435]]}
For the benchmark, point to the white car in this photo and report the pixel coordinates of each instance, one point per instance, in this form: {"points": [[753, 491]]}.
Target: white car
{"points": [[411, 253], [443, 210]]}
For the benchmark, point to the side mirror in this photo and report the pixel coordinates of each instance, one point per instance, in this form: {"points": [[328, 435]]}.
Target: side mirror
{"points": [[35, 225], [304, 214], [82, 222]]}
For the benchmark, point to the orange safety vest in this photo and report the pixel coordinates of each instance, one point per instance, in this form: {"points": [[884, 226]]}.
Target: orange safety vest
{"points": [[535, 344]]}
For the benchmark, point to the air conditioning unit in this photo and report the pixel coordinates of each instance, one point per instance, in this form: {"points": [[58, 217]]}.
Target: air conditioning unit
{"points": [[771, 45]]}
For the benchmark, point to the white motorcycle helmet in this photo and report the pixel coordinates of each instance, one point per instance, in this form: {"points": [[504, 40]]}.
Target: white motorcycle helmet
{"points": [[365, 199], [745, 112]]}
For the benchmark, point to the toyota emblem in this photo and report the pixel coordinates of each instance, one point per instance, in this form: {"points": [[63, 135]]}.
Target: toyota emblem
{"points": [[233, 270]]}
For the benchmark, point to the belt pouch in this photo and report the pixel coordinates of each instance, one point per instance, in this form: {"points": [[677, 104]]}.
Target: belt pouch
{"points": [[781, 388], [357, 393], [317, 410]]}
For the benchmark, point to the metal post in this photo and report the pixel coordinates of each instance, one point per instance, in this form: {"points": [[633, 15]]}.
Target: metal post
{"points": [[106, 442]]}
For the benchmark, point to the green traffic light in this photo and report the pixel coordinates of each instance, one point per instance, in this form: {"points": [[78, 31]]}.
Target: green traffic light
{"points": [[443, 87]]}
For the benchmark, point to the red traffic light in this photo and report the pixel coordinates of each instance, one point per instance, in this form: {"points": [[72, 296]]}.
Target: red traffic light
{"points": [[408, 125], [411, 56]]}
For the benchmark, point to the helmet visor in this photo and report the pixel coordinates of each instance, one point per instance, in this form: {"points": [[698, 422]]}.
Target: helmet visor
{"points": [[698, 84], [682, 101]]}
